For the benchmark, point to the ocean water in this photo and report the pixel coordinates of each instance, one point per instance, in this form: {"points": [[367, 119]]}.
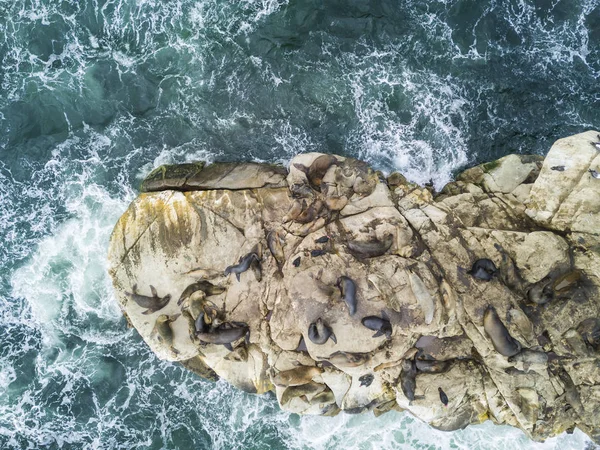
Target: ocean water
{"points": [[96, 93]]}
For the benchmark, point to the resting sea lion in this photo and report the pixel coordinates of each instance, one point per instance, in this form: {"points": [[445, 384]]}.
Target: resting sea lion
{"points": [[324, 398], [528, 356], [348, 290], [243, 265], [153, 303], [408, 378], [503, 342], [319, 332], [276, 248], [345, 359], [372, 248], [483, 269], [205, 286], [223, 335], [381, 325], [296, 377], [303, 389], [317, 170], [541, 292], [432, 365], [162, 329]]}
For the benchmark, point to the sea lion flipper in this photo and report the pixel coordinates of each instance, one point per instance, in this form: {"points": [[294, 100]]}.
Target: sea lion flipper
{"points": [[384, 315], [333, 338], [301, 167], [134, 288], [148, 311], [153, 290], [379, 333], [174, 350], [237, 276], [228, 347]]}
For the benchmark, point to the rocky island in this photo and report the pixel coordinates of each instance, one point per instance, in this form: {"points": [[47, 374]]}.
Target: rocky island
{"points": [[343, 290]]}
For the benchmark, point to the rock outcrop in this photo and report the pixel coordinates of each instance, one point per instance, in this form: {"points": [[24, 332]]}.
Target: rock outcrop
{"points": [[343, 290]]}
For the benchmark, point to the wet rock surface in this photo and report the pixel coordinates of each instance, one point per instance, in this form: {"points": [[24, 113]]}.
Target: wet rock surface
{"points": [[343, 291]]}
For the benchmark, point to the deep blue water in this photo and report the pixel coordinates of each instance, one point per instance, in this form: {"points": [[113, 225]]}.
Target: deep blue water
{"points": [[94, 94]]}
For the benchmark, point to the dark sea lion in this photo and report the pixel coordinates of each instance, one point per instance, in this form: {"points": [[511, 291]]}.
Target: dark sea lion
{"points": [[323, 398], [243, 265], [483, 269], [296, 377], [200, 325], [589, 330], [509, 273], [153, 303], [541, 292], [163, 331], [205, 286], [381, 325], [443, 396], [558, 168], [223, 335], [503, 342], [319, 332], [316, 171], [371, 249], [309, 214], [408, 378], [366, 380], [348, 291], [432, 365]]}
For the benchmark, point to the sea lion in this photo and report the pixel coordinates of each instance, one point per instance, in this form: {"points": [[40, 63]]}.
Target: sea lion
{"points": [[205, 286], [295, 210], [200, 325], [381, 325], [432, 365], [274, 242], [595, 174], [529, 357], [162, 329], [296, 262], [316, 171], [296, 377], [309, 388], [223, 335], [443, 396], [243, 265], [346, 359], [509, 273], [366, 380], [566, 282], [371, 249], [319, 332], [336, 203], [503, 342], [408, 379], [589, 329], [348, 291], [558, 168], [311, 227], [309, 214], [541, 292], [153, 303], [191, 324], [323, 398], [483, 269], [423, 297]]}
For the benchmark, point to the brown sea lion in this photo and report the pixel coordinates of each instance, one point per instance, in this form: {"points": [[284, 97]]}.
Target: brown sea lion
{"points": [[162, 330], [153, 303], [316, 171], [296, 377], [503, 342], [371, 249]]}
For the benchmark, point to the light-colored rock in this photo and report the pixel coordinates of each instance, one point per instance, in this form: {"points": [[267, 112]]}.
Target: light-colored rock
{"points": [[414, 272]]}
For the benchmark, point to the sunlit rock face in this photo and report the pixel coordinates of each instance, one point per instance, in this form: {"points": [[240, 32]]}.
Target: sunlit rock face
{"points": [[342, 290]]}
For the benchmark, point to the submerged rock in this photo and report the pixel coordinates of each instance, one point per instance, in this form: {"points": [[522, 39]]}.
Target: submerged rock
{"points": [[405, 261]]}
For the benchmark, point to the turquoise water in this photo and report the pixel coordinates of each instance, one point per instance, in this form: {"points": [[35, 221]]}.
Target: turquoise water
{"points": [[94, 94]]}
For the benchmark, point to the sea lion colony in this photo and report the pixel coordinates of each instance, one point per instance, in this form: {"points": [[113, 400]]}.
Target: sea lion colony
{"points": [[313, 233], [208, 326]]}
